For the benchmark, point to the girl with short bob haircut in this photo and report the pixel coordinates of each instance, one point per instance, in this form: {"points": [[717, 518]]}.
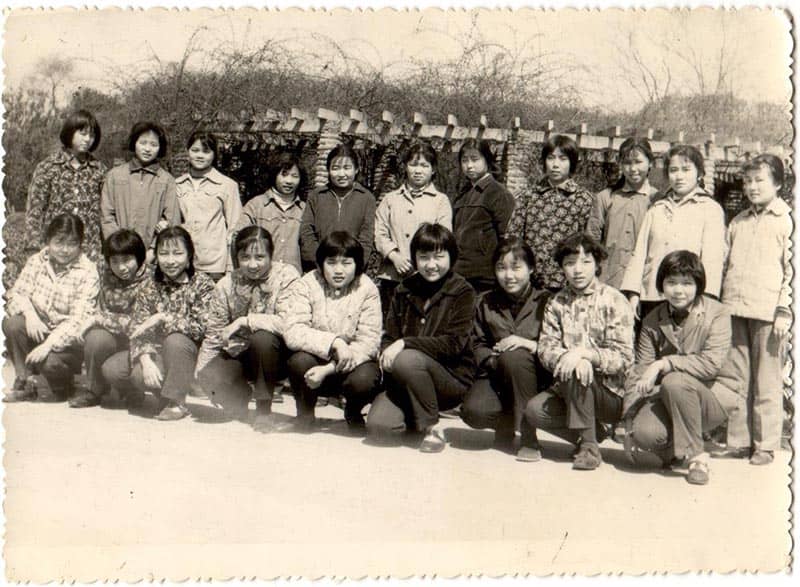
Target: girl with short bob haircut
{"points": [[426, 356], [342, 205], [684, 341], [481, 213], [140, 195], [169, 321], [68, 181], [687, 216], [243, 344], [556, 207], [333, 324], [54, 293], [504, 341], [210, 206], [280, 209], [619, 210]]}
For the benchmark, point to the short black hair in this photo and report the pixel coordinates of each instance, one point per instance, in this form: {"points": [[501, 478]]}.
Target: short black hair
{"points": [[248, 236], [207, 139], [124, 242], [573, 244], [284, 161], [174, 233], [342, 151], [567, 146], [691, 153], [341, 244], [140, 128], [67, 225], [628, 147], [518, 248], [418, 149], [771, 162], [430, 238], [682, 263], [483, 147], [76, 121]]}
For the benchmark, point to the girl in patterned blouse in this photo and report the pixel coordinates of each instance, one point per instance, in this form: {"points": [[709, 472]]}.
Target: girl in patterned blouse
{"points": [[169, 321], [106, 330], [68, 181], [243, 340]]}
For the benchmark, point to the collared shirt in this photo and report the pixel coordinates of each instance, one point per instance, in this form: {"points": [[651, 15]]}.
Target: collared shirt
{"points": [[62, 296], [544, 216], [759, 273], [210, 208], [282, 225], [137, 197], [398, 217], [236, 296], [116, 300], [614, 221], [326, 212], [696, 223], [599, 318], [58, 187]]}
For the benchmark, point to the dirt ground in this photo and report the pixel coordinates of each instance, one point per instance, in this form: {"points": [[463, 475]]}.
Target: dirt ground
{"points": [[104, 494]]}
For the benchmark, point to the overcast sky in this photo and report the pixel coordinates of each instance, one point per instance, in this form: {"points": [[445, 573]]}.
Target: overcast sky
{"points": [[95, 39]]}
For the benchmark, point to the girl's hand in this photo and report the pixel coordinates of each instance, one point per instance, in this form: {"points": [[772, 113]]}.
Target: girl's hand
{"points": [[514, 342], [35, 328], [584, 372], [648, 379], [38, 354], [634, 302], [781, 325], [151, 373], [315, 376], [151, 322], [150, 257], [568, 363], [160, 225], [343, 356], [233, 328], [401, 264], [390, 354]]}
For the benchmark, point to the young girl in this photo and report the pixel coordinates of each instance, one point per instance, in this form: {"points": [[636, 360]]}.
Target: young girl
{"points": [[682, 345], [280, 209], [426, 358], [342, 205], [687, 217], [243, 341], [210, 206], [168, 323], [333, 326], [554, 209], [504, 342], [140, 194], [68, 181], [402, 211], [618, 211], [106, 330], [53, 295], [480, 214]]}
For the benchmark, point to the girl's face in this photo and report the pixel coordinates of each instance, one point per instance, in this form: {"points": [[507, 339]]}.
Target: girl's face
{"points": [[201, 158], [513, 274], [146, 147], [254, 260], [342, 172], [580, 270], [82, 140], [635, 168], [339, 272], [63, 249], [759, 187], [287, 180], [682, 175], [124, 267], [419, 172], [680, 291], [433, 265], [557, 167], [173, 258], [473, 165]]}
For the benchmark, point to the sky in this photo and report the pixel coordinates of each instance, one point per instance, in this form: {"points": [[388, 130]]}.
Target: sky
{"points": [[97, 39]]}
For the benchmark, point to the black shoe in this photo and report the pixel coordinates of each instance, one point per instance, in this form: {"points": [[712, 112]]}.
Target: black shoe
{"points": [[84, 399], [134, 399], [28, 394]]}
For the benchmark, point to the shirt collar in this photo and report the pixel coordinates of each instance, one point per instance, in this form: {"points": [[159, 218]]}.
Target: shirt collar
{"points": [[570, 186], [646, 189], [57, 268], [777, 207], [64, 157], [272, 196], [134, 165], [213, 176], [593, 287], [428, 190]]}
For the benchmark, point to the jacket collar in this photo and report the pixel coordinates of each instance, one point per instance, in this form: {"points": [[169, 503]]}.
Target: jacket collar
{"points": [[570, 186], [213, 176], [646, 189], [777, 207], [428, 190], [270, 196], [697, 195], [64, 157], [454, 285], [534, 298], [595, 286], [357, 187], [480, 185], [134, 165], [695, 318]]}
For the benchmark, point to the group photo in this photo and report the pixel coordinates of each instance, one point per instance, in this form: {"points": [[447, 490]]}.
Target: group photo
{"points": [[430, 293]]}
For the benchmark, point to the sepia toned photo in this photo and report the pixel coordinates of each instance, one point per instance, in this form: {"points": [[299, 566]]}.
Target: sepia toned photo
{"points": [[396, 293]]}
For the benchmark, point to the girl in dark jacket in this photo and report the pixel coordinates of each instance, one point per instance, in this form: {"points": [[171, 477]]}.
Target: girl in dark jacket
{"points": [[426, 355]]}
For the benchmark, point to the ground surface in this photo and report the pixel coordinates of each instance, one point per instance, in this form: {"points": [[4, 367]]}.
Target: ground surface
{"points": [[103, 494]]}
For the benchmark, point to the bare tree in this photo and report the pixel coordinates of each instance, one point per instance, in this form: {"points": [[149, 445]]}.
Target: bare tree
{"points": [[54, 72]]}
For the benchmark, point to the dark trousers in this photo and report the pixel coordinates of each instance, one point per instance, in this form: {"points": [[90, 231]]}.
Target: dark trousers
{"points": [[358, 387], [684, 408], [176, 362], [571, 410], [386, 288], [416, 389], [59, 368], [498, 401], [99, 347], [226, 379]]}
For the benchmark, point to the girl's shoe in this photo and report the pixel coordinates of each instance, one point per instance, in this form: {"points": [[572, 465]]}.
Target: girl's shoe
{"points": [[741, 452], [84, 399], [698, 472], [529, 454], [588, 457], [433, 442], [762, 457], [173, 411]]}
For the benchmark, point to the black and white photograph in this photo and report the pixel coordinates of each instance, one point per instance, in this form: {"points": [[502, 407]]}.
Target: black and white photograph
{"points": [[388, 292]]}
